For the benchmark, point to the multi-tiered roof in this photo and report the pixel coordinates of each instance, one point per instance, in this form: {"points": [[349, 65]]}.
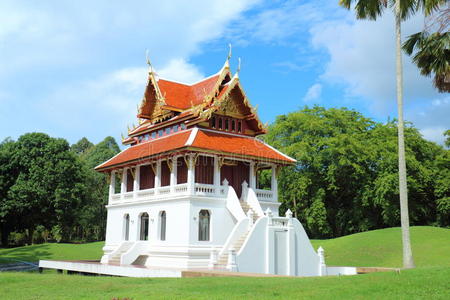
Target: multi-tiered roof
{"points": [[210, 116]]}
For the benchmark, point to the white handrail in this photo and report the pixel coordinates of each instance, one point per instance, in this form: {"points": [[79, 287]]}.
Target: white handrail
{"points": [[238, 230], [252, 201]]}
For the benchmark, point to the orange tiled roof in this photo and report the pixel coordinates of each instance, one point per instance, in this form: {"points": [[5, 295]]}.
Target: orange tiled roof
{"points": [[147, 149], [217, 142], [183, 96], [237, 145]]}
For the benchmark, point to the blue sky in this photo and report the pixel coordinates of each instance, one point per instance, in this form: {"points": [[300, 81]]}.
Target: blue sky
{"points": [[77, 68]]}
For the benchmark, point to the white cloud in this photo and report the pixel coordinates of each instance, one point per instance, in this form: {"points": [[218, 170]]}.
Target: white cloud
{"points": [[362, 57], [434, 134], [179, 70], [432, 120], [313, 93], [73, 64]]}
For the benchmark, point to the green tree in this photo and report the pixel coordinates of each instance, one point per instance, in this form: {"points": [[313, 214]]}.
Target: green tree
{"points": [[431, 48], [48, 186], [8, 175], [346, 176], [372, 9], [92, 216], [82, 146]]}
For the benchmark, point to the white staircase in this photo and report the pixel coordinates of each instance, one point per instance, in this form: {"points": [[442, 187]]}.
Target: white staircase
{"points": [[222, 260], [115, 257]]}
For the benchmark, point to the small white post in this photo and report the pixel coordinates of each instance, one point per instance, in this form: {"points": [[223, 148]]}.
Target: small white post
{"points": [[322, 265], [212, 258], [289, 216], [269, 215], [244, 191], [231, 265], [250, 216], [225, 186]]}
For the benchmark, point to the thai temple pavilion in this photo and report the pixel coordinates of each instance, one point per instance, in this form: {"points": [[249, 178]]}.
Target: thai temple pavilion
{"points": [[185, 193]]}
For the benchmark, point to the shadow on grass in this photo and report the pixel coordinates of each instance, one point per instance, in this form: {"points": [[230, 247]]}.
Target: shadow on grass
{"points": [[31, 253]]}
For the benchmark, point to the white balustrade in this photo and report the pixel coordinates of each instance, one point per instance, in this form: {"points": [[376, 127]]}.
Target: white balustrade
{"points": [[204, 189], [264, 195], [280, 222]]}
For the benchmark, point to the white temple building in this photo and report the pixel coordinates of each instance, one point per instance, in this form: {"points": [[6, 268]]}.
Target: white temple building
{"points": [[185, 194]]}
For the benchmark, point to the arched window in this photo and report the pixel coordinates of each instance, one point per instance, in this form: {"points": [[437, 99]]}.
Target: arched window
{"points": [[162, 226], [203, 225], [126, 227], [143, 230]]}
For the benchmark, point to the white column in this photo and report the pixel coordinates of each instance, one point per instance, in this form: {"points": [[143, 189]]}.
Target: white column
{"points": [[173, 175], [274, 184], [158, 176], [112, 185], [137, 179], [252, 176], [123, 184], [216, 175], [191, 175]]}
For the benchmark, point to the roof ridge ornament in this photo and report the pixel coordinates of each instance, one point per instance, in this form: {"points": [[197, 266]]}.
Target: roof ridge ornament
{"points": [[147, 59], [238, 68], [226, 65]]}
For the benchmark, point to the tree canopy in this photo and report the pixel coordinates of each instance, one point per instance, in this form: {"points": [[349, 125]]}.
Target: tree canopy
{"points": [[346, 179]]}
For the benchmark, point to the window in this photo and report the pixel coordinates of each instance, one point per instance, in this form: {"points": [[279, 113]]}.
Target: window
{"points": [[239, 126], [162, 224], [175, 128], [154, 135], [168, 130], [220, 123], [126, 225], [143, 231], [233, 125], [213, 122], [226, 124], [160, 132], [203, 225], [147, 136], [183, 126]]}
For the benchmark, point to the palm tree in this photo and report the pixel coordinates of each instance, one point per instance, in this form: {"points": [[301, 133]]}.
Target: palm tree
{"points": [[371, 9], [432, 56]]}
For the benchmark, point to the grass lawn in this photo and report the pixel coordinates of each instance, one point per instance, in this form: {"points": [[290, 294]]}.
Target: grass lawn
{"points": [[422, 283], [431, 280], [34, 253], [383, 248]]}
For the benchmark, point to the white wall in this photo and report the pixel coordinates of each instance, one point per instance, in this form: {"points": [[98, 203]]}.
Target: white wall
{"points": [[307, 259], [252, 256], [221, 222], [177, 216]]}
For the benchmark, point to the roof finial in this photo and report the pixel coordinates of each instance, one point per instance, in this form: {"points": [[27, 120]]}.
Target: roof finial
{"points": [[229, 51], [239, 67], [148, 61]]}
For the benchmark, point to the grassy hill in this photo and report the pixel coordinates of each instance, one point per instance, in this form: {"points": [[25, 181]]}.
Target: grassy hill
{"points": [[382, 248], [377, 248], [430, 280]]}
